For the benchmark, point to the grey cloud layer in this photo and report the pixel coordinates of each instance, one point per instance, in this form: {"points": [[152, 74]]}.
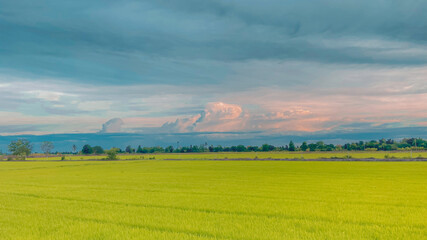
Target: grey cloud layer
{"points": [[186, 42]]}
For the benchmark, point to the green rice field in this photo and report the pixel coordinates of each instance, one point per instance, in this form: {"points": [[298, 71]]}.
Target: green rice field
{"points": [[151, 199]]}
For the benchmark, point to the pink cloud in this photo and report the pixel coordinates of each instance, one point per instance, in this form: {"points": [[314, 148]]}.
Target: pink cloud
{"points": [[223, 117], [217, 117], [316, 110]]}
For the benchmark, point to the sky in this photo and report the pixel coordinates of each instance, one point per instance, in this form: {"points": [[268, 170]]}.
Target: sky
{"points": [[215, 66]]}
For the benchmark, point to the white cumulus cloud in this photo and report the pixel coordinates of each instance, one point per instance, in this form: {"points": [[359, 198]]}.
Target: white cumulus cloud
{"points": [[112, 126]]}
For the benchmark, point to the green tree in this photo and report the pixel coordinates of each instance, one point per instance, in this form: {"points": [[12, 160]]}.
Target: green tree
{"points": [[129, 149], [87, 149], [291, 146], [312, 147], [112, 154], [240, 148], [98, 150], [304, 146], [21, 148], [47, 147], [139, 150], [320, 146], [169, 149], [267, 147]]}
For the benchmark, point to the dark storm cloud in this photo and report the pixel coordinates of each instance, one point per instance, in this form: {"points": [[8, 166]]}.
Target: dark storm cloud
{"points": [[117, 42]]}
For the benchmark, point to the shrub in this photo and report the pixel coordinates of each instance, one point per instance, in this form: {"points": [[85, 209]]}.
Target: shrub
{"points": [[389, 157], [112, 154], [371, 149]]}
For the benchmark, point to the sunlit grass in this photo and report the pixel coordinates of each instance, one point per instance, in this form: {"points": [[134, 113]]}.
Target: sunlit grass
{"points": [[213, 200]]}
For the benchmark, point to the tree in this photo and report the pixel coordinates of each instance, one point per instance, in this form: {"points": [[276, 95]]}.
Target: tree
{"points": [[267, 147], [47, 147], [169, 149], [320, 145], [129, 149], [291, 146], [98, 150], [253, 148], [312, 147], [112, 154], [240, 148], [21, 148], [139, 150], [304, 146], [87, 149]]}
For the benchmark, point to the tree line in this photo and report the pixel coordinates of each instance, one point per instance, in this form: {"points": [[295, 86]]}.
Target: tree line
{"points": [[23, 148], [373, 145]]}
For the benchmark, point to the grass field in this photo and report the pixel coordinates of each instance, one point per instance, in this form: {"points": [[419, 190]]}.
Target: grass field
{"points": [[252, 155], [213, 200]]}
